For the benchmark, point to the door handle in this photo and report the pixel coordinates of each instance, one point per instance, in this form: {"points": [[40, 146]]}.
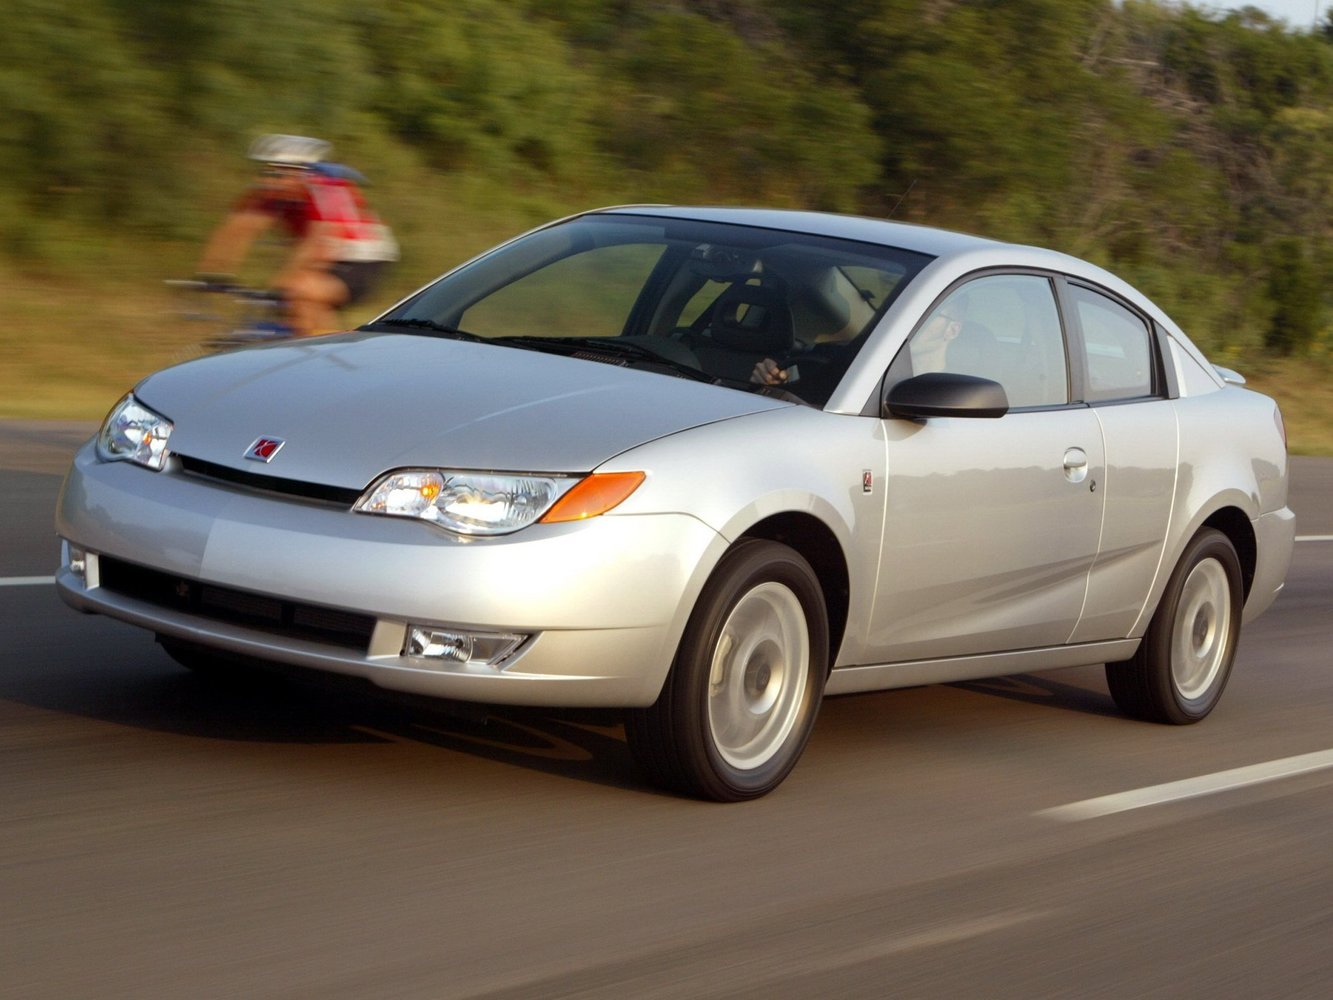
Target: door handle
{"points": [[1076, 465]]}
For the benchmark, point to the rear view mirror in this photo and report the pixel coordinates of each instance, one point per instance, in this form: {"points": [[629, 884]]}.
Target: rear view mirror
{"points": [[945, 394]]}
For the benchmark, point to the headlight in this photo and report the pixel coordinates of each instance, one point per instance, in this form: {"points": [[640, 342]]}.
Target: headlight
{"points": [[470, 503], [484, 503], [134, 433]]}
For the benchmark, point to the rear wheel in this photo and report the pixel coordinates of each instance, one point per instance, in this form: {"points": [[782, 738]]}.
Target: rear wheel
{"points": [[742, 695], [1182, 666]]}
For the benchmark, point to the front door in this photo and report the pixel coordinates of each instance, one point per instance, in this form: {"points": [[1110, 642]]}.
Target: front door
{"points": [[991, 525], [991, 528]]}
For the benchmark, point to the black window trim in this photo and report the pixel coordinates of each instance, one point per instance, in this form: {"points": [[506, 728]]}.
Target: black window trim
{"points": [[1166, 360]]}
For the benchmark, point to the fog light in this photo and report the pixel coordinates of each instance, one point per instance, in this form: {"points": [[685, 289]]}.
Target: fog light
{"points": [[77, 561], [456, 646]]}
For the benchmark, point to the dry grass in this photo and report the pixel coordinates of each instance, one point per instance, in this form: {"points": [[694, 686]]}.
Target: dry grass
{"points": [[69, 349], [76, 334], [69, 352], [1303, 388]]}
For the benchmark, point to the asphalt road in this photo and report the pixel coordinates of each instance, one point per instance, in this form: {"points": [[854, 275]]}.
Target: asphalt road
{"points": [[161, 836]]}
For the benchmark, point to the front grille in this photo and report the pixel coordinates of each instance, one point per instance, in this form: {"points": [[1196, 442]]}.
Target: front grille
{"points": [[239, 607], [339, 495]]}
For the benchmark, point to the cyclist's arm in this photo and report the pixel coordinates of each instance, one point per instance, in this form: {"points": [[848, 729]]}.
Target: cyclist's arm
{"points": [[230, 242]]}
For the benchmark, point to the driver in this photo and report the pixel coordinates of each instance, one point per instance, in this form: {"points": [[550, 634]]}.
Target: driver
{"points": [[929, 347]]}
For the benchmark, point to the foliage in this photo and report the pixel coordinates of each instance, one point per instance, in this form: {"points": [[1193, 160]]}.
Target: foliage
{"points": [[1190, 150], [1295, 289], [452, 84], [700, 108]]}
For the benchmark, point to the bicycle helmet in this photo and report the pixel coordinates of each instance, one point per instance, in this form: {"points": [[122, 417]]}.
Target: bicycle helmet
{"points": [[289, 150]]}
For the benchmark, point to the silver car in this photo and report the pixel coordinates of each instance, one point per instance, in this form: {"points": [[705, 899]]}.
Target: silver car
{"points": [[706, 466]]}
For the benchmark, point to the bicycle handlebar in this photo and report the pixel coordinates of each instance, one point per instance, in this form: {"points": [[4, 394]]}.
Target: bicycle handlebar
{"points": [[238, 291]]}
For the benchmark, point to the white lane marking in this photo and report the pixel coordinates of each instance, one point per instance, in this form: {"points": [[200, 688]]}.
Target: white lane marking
{"points": [[1206, 784], [1314, 538]]}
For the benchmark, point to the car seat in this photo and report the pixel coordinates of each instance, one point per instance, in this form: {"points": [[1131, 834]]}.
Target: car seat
{"points": [[747, 323]]}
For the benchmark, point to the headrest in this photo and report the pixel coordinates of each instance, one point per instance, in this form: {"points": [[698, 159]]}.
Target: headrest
{"points": [[753, 318]]}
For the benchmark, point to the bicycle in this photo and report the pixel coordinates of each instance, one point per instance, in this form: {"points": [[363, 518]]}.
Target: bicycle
{"points": [[250, 315]]}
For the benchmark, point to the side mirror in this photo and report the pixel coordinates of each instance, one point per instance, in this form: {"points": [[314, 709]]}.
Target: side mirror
{"points": [[945, 394]]}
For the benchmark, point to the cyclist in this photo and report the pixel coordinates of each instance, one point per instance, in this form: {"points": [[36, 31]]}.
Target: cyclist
{"points": [[340, 247]]}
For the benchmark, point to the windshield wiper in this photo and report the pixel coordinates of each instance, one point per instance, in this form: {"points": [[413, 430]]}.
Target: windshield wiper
{"points": [[611, 345], [572, 345], [427, 324]]}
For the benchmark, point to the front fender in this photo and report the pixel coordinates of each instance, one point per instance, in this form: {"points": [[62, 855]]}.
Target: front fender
{"points": [[737, 473]]}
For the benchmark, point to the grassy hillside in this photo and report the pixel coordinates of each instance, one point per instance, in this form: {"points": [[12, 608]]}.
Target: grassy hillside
{"points": [[1187, 149], [70, 347]]}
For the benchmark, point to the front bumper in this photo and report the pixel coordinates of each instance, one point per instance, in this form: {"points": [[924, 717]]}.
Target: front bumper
{"points": [[603, 602]]}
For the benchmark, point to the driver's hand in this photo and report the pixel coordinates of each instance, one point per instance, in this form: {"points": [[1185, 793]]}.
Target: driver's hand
{"points": [[767, 372]]}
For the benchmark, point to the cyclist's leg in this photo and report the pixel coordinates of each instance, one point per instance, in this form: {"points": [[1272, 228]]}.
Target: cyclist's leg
{"points": [[313, 298], [360, 277]]}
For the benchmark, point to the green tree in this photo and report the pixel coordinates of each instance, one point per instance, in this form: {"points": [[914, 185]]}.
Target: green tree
{"points": [[699, 109], [1188, 149], [81, 117], [1295, 289], [475, 85]]}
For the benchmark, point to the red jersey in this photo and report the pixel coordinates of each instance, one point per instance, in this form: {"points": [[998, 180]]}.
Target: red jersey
{"points": [[358, 232]]}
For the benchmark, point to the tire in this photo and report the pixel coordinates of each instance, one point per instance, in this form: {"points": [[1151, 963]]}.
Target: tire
{"points": [[742, 695], [1182, 666]]}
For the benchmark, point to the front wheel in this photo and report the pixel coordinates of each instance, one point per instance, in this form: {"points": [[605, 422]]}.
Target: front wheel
{"points": [[1182, 665], [742, 695]]}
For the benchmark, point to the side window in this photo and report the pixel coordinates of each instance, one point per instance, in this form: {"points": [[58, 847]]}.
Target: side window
{"points": [[1118, 346], [554, 301], [1003, 327]]}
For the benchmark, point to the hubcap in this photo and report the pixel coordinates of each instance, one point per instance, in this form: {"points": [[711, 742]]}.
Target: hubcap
{"points": [[758, 676], [1202, 633]]}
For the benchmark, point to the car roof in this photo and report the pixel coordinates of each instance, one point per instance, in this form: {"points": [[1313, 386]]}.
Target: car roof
{"points": [[904, 235]]}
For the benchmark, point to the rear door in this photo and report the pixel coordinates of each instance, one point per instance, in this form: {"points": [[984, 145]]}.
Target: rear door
{"points": [[1124, 382]]}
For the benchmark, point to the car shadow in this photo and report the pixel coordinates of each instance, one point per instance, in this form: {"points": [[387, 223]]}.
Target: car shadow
{"points": [[1040, 689], [138, 687], [582, 744], [585, 744], [300, 707], [131, 682]]}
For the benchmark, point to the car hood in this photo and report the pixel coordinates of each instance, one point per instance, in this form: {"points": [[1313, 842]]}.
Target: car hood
{"points": [[348, 408]]}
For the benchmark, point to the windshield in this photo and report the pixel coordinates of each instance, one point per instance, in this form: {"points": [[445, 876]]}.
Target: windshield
{"points": [[680, 297]]}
